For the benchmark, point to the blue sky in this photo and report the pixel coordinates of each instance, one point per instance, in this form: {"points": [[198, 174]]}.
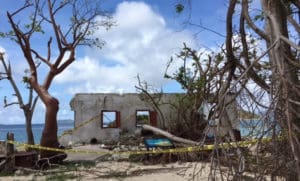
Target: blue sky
{"points": [[146, 35]]}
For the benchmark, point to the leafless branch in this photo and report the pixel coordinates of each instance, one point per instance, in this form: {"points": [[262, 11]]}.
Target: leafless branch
{"points": [[12, 103], [54, 25], [294, 102], [246, 71], [250, 22], [294, 23], [38, 56], [12, 82], [26, 5], [286, 40], [24, 43], [144, 90], [49, 49], [245, 54], [208, 29], [254, 98], [292, 62]]}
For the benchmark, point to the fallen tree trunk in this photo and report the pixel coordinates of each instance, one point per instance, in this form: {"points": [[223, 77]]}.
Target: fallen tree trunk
{"points": [[168, 135]]}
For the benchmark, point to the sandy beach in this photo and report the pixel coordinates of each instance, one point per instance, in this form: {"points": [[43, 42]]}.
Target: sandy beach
{"points": [[115, 171], [108, 167]]}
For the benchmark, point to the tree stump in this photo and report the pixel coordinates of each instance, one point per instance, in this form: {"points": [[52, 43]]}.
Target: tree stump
{"points": [[10, 155]]}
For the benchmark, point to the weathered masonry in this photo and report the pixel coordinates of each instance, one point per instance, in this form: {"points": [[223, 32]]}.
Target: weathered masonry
{"points": [[116, 113]]}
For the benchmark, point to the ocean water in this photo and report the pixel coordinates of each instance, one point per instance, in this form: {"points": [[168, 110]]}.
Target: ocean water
{"points": [[248, 128], [20, 135], [257, 128]]}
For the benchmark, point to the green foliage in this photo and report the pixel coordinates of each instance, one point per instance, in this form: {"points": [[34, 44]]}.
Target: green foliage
{"points": [[247, 115], [9, 34], [258, 17], [4, 174], [2, 35], [25, 79], [194, 73], [183, 77], [199, 76], [179, 8], [34, 26], [143, 119], [112, 124], [61, 177]]}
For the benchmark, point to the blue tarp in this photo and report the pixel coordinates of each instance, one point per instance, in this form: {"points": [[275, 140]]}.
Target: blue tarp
{"points": [[158, 142]]}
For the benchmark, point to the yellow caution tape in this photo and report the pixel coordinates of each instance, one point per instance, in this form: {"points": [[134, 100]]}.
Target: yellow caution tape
{"points": [[176, 150], [156, 151], [81, 125], [85, 123]]}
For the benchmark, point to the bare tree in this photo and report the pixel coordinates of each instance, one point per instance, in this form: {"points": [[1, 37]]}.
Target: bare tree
{"points": [[62, 36], [27, 108], [275, 70], [283, 57], [153, 96], [262, 48]]}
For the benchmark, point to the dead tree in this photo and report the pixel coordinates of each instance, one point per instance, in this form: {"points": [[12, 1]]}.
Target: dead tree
{"points": [[277, 74], [27, 108], [262, 48]]}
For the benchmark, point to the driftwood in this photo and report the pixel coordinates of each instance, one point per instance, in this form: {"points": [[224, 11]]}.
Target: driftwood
{"points": [[169, 135]]}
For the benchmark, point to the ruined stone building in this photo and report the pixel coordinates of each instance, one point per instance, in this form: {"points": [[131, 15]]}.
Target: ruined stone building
{"points": [[104, 116]]}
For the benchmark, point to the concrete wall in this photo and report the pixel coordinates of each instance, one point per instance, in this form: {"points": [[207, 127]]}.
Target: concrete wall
{"points": [[228, 118], [87, 106]]}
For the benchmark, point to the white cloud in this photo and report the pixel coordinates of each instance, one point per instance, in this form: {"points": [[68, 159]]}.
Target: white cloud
{"points": [[2, 50], [17, 63], [11, 115], [141, 43]]}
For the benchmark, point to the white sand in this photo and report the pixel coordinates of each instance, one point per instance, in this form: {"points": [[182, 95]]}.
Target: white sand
{"points": [[115, 171]]}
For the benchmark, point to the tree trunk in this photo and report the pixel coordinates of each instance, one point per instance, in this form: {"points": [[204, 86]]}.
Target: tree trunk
{"points": [[30, 137], [169, 135], [285, 78], [49, 135]]}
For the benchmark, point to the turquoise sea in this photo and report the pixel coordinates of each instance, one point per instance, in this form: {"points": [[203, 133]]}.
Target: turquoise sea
{"points": [[254, 128], [19, 131]]}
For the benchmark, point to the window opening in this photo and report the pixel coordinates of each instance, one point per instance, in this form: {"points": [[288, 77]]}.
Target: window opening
{"points": [[110, 119], [142, 117]]}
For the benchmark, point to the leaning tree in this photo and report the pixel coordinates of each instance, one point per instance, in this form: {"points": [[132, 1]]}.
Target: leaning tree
{"points": [[64, 25]]}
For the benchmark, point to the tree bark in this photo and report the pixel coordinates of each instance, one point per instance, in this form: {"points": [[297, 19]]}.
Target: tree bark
{"points": [[284, 75], [27, 110], [10, 157], [30, 137], [43, 15], [169, 135], [49, 135]]}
